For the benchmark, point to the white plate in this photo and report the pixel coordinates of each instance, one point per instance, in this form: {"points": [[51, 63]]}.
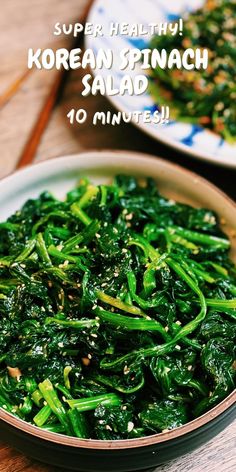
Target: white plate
{"points": [[194, 140]]}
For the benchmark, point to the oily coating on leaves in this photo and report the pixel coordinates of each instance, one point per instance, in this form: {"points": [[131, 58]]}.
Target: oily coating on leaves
{"points": [[198, 96], [117, 311]]}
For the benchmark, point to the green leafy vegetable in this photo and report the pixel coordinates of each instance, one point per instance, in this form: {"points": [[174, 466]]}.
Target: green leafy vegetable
{"points": [[202, 97], [117, 311]]}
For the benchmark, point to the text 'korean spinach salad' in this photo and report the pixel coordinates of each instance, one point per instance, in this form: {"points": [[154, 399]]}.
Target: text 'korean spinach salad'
{"points": [[118, 311]]}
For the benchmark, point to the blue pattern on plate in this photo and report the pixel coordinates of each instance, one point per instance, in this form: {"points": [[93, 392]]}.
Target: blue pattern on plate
{"points": [[138, 43], [189, 140], [184, 136], [171, 17], [151, 108]]}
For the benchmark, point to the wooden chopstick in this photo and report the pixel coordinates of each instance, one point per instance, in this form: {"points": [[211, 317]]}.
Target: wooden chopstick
{"points": [[29, 151], [32, 143], [13, 88]]}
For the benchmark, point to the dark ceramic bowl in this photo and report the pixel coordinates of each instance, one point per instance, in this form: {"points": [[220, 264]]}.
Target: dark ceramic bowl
{"points": [[116, 456], [58, 175]]}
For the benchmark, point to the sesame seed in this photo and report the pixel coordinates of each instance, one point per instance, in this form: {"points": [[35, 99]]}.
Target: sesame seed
{"points": [[108, 427], [130, 426]]}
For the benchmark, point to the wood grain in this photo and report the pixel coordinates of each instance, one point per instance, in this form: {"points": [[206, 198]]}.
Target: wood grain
{"points": [[23, 25], [29, 23]]}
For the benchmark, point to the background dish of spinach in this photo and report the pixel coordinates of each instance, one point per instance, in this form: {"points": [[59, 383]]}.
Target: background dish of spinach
{"points": [[205, 97]]}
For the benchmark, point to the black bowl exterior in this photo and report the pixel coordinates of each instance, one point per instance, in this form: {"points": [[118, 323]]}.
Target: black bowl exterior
{"points": [[114, 460]]}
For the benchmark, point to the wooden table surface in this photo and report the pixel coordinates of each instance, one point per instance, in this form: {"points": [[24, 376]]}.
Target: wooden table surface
{"points": [[29, 23]]}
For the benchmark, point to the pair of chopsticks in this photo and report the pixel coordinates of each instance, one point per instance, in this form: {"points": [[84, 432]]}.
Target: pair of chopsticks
{"points": [[28, 153]]}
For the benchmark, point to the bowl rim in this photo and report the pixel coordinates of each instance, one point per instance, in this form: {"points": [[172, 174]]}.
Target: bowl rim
{"points": [[153, 439]]}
